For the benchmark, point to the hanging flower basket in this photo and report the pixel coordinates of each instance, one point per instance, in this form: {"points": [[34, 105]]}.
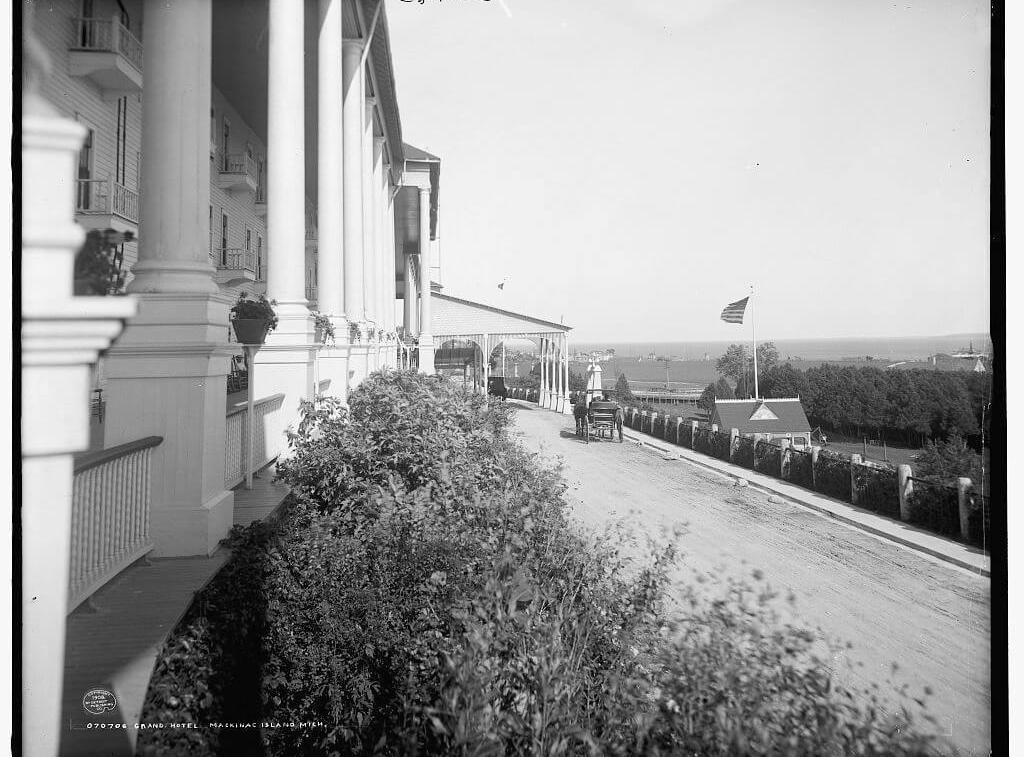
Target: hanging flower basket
{"points": [[251, 330], [253, 319]]}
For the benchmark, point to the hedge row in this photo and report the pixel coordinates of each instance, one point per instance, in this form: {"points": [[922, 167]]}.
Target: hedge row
{"points": [[877, 487]]}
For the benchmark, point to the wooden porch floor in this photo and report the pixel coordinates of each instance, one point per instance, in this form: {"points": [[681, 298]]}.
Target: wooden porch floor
{"points": [[113, 639]]}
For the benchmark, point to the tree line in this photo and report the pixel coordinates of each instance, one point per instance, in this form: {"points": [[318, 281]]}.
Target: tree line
{"points": [[911, 406]]}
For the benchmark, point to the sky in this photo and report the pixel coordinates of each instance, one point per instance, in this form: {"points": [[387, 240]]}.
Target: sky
{"points": [[631, 168]]}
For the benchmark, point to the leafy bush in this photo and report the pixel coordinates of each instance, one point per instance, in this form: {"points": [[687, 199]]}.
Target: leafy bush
{"points": [[800, 468], [877, 489], [832, 475], [658, 426], [702, 440], [426, 593], [935, 507], [767, 458], [744, 453], [720, 444]]}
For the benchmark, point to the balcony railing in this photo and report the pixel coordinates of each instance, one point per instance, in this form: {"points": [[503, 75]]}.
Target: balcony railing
{"points": [[239, 163], [234, 259], [110, 515], [111, 36], [236, 439], [107, 197]]}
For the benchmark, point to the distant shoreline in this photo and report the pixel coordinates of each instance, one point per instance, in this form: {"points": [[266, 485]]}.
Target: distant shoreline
{"points": [[829, 348]]}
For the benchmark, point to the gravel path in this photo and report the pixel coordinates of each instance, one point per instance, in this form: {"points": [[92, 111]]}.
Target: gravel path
{"points": [[892, 604]]}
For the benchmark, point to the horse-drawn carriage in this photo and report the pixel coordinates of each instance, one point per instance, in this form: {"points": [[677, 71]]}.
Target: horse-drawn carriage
{"points": [[598, 418]]}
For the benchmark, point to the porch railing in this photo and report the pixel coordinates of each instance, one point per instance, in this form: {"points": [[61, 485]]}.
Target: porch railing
{"points": [[239, 163], [236, 259], [109, 35], [236, 439], [107, 197], [109, 515]]}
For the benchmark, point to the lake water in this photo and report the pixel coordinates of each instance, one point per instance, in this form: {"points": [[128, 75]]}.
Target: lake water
{"points": [[886, 348]]}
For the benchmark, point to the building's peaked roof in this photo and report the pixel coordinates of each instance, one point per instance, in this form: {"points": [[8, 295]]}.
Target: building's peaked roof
{"points": [[753, 416], [415, 153]]}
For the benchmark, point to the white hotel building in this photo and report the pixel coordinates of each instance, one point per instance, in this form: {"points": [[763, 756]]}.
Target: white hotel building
{"points": [[249, 145]]}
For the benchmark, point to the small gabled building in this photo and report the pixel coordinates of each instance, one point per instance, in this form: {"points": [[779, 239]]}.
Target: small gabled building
{"points": [[781, 418]]}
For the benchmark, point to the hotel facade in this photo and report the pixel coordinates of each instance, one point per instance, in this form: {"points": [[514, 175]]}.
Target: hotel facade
{"points": [[248, 146]]}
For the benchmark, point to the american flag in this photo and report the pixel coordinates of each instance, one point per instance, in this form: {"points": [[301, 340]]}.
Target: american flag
{"points": [[733, 312]]}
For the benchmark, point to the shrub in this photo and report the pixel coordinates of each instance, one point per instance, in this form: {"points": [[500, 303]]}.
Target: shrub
{"points": [[832, 475], [443, 603], [744, 454], [935, 506], [800, 468], [767, 458], [719, 443], [877, 489]]}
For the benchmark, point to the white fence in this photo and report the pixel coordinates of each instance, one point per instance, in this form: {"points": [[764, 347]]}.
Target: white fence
{"points": [[236, 439], [109, 515]]}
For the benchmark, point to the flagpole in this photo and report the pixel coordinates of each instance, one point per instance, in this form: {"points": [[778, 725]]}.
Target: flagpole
{"points": [[753, 335]]}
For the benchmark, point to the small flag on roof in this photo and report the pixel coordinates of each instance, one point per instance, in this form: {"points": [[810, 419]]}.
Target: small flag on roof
{"points": [[733, 312]]}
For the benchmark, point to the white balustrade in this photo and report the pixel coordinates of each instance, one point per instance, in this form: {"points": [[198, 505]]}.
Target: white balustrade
{"points": [[236, 439], [106, 197], [109, 35], [110, 515]]}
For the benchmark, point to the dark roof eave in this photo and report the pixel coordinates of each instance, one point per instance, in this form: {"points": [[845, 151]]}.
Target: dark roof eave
{"points": [[384, 76]]}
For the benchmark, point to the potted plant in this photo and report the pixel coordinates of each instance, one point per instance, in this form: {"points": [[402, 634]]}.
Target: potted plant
{"points": [[324, 329], [354, 333], [98, 264], [253, 319]]}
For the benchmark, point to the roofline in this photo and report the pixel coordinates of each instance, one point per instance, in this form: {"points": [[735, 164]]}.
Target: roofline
{"points": [[493, 309], [384, 86]]}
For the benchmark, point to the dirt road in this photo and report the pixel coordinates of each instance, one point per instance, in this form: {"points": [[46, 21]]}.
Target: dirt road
{"points": [[892, 604]]}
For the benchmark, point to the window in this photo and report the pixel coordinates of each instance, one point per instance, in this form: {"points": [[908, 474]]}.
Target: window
{"points": [[223, 238], [225, 139], [122, 141], [259, 258], [87, 32], [213, 128], [211, 231], [85, 161]]}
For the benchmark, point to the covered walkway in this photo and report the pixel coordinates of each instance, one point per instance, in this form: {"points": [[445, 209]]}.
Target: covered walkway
{"points": [[456, 323]]}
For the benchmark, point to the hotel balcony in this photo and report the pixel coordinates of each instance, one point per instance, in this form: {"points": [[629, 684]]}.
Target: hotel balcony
{"points": [[237, 173], [106, 204], [311, 240], [106, 52], [235, 266], [261, 201]]}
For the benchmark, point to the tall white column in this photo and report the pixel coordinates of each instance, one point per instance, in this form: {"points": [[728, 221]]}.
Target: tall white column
{"points": [[566, 404], [426, 337], [376, 282], [333, 360], [409, 304], [285, 364], [543, 372], [559, 377], [166, 374], [61, 336], [369, 211], [353, 115]]}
